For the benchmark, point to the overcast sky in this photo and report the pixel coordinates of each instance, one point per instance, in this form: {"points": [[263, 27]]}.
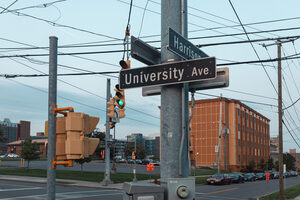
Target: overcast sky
{"points": [[104, 22]]}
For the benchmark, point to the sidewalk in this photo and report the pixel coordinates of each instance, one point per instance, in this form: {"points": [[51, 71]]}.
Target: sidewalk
{"points": [[297, 198], [118, 186]]}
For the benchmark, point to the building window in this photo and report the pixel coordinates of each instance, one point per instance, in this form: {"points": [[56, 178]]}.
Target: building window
{"points": [[239, 158], [243, 143], [239, 142], [238, 112], [239, 127], [243, 114]]}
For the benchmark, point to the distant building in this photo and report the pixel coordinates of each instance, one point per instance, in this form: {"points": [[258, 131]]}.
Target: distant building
{"points": [[119, 146], [274, 144], [296, 156], [138, 137], [17, 146], [13, 131], [245, 134], [152, 147]]}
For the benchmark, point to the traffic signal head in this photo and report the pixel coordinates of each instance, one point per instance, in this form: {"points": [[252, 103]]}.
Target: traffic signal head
{"points": [[119, 97], [111, 108], [121, 113], [112, 125], [125, 64]]}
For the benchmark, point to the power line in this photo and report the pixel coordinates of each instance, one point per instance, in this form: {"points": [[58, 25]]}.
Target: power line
{"points": [[290, 133], [247, 93], [60, 25], [44, 5], [143, 18], [4, 9]]}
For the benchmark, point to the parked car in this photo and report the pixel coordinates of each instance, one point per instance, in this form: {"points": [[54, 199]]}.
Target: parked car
{"points": [[138, 161], [260, 176], [12, 155], [130, 161], [219, 179], [237, 178], [122, 160], [2, 156], [155, 163], [146, 161], [293, 173], [249, 177], [276, 175]]}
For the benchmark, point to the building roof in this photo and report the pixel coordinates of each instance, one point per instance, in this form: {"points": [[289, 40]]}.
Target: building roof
{"points": [[232, 100], [19, 142]]}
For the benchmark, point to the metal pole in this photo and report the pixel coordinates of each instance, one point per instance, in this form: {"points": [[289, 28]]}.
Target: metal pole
{"points": [[134, 168], [171, 98], [220, 136], [106, 180], [113, 168], [51, 173], [184, 167], [281, 185]]}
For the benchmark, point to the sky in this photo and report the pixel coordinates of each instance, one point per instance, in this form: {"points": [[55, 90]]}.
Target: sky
{"points": [[102, 23]]}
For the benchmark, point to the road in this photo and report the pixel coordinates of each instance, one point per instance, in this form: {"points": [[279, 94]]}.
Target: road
{"points": [[93, 166], [243, 191], [13, 190]]}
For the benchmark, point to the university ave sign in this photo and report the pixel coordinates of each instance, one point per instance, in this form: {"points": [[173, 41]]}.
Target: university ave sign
{"points": [[169, 73]]}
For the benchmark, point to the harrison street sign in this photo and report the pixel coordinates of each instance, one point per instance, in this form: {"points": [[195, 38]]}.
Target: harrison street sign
{"points": [[182, 47], [169, 73]]}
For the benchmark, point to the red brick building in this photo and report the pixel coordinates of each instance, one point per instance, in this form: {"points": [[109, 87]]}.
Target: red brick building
{"points": [[248, 138]]}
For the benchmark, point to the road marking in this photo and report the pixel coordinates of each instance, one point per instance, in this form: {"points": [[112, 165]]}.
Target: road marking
{"points": [[17, 189], [225, 190], [66, 195]]}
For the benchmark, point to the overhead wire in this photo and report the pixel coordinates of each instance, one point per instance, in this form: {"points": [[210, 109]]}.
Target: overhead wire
{"points": [[4, 9], [60, 25]]}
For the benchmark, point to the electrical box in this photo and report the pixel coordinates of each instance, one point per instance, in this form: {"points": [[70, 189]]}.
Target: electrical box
{"points": [[181, 188], [143, 191]]}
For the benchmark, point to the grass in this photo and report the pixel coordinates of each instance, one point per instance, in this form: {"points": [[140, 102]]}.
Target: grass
{"points": [[77, 175], [201, 180], [207, 171], [289, 193]]}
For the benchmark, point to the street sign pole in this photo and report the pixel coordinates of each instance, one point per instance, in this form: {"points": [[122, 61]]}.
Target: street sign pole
{"points": [[171, 100]]}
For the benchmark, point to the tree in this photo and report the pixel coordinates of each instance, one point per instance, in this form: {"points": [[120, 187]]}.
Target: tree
{"points": [[262, 164], [30, 151], [289, 160], [140, 150], [276, 166], [82, 161], [270, 164], [251, 166]]}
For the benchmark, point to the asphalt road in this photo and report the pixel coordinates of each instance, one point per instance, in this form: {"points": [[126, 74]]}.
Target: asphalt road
{"points": [[93, 166], [12, 190], [242, 191]]}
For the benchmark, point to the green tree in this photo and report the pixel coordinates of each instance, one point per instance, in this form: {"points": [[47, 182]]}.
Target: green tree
{"points": [[140, 151], [270, 164], [30, 151], [262, 164], [82, 161], [276, 166], [289, 160], [251, 166]]}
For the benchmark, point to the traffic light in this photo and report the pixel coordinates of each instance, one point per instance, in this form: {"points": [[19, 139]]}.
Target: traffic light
{"points": [[111, 108], [112, 125], [119, 97], [121, 113], [71, 140], [125, 64]]}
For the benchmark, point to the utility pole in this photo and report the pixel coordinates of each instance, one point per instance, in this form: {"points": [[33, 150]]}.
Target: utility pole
{"points": [[171, 97], [107, 180], [51, 173], [281, 186], [113, 168], [220, 137], [173, 137], [134, 168]]}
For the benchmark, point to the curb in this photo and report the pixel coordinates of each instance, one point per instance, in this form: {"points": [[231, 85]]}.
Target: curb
{"points": [[69, 183]]}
